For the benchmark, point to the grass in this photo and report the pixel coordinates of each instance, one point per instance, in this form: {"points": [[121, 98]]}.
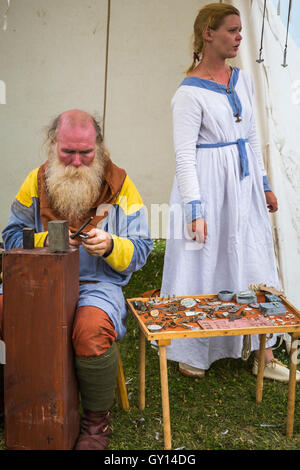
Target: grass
{"points": [[218, 412]]}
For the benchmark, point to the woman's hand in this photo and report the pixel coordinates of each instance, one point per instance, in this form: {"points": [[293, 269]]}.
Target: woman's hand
{"points": [[98, 242], [272, 203], [197, 230]]}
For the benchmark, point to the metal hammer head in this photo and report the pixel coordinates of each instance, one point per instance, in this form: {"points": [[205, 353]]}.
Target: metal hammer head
{"points": [[58, 232]]}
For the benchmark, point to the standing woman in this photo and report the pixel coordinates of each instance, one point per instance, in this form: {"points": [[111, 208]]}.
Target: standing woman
{"points": [[222, 190]]}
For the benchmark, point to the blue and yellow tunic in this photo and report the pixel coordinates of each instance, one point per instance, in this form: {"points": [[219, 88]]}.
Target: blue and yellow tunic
{"points": [[126, 221]]}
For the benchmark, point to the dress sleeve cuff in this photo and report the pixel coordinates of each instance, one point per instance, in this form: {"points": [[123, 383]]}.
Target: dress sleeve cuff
{"points": [[193, 210], [266, 184]]}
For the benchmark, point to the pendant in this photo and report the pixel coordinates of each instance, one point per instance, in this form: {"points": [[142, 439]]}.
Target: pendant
{"points": [[238, 118], [228, 91]]}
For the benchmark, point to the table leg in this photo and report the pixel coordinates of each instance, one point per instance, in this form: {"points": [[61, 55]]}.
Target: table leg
{"points": [[142, 369], [122, 389], [292, 387], [165, 395], [261, 366]]}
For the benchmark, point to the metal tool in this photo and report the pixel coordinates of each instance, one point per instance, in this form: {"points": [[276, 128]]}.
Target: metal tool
{"points": [[58, 231], [78, 232]]}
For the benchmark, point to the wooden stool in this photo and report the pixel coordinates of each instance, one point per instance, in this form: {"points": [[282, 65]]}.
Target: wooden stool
{"points": [[122, 389]]}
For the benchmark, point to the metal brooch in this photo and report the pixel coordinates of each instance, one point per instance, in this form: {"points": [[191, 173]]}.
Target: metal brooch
{"points": [[188, 303]]}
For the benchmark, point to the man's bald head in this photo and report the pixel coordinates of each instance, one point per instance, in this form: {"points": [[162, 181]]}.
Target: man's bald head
{"points": [[76, 117], [77, 135], [71, 119]]}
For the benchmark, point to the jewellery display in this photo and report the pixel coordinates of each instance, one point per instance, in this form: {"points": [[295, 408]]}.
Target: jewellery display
{"points": [[272, 308], [250, 309], [188, 303], [154, 327], [272, 298], [154, 313], [246, 297], [225, 295]]}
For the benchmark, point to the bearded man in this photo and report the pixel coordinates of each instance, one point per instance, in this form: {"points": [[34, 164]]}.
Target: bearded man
{"points": [[79, 181]]}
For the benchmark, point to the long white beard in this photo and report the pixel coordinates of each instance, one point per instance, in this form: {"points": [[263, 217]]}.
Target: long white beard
{"points": [[73, 191]]}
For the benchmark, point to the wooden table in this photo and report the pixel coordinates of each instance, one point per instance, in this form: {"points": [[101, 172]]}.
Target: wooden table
{"points": [[165, 336]]}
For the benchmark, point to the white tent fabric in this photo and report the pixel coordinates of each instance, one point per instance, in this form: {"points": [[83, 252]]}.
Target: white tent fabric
{"points": [[278, 116]]}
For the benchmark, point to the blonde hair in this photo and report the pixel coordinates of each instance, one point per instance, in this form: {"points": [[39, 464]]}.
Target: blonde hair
{"points": [[211, 16]]}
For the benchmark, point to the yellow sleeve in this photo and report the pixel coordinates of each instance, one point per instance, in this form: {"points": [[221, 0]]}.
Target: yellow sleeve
{"points": [[130, 202], [129, 198], [40, 238], [29, 189], [121, 255]]}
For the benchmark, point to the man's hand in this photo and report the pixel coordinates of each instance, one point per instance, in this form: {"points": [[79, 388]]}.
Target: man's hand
{"points": [[99, 242], [198, 230], [271, 201], [73, 242]]}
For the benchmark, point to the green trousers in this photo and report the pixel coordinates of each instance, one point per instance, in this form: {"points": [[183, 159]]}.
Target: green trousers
{"points": [[97, 378]]}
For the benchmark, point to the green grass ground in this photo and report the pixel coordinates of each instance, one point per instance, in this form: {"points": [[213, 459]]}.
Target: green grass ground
{"points": [[215, 413]]}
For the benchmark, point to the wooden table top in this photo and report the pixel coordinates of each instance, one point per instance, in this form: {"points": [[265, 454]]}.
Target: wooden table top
{"points": [[246, 321]]}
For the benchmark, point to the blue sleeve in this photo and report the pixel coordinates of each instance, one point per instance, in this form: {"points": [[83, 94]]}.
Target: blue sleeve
{"points": [[20, 217]]}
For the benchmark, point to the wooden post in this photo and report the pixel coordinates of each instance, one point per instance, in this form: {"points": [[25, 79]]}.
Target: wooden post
{"points": [[41, 291], [292, 387], [261, 366], [142, 370], [165, 392]]}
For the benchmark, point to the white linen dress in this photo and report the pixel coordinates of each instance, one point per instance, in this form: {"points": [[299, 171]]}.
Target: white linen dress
{"points": [[225, 184]]}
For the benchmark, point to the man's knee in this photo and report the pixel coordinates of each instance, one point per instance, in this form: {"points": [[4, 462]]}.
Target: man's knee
{"points": [[93, 332]]}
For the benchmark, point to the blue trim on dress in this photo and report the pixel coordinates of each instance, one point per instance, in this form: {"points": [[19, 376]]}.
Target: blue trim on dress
{"points": [[241, 143], [266, 184], [233, 97], [193, 210]]}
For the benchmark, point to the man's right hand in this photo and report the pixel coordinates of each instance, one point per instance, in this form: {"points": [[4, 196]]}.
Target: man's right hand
{"points": [[197, 230], [73, 242]]}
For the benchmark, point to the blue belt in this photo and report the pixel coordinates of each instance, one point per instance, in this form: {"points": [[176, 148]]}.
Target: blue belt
{"points": [[241, 143]]}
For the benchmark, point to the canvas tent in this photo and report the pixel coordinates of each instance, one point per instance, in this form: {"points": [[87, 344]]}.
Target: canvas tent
{"points": [[123, 59], [278, 113]]}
